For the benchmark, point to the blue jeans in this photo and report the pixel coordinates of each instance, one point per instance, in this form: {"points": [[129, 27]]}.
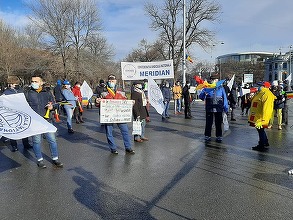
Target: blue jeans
{"points": [[178, 105], [51, 138], [125, 135], [166, 109], [69, 111], [143, 123]]}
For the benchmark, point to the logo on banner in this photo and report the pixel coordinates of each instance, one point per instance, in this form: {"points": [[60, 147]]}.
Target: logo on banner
{"points": [[155, 94], [129, 71], [13, 121]]}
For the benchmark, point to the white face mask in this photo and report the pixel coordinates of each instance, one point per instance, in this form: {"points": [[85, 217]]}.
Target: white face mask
{"points": [[139, 86], [67, 86], [35, 85]]}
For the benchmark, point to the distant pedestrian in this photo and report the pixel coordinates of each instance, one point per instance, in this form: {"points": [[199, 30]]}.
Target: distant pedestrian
{"points": [[71, 104], [187, 100], [232, 98], [113, 92], [177, 95], [78, 110], [40, 100], [139, 109], [215, 104], [167, 98], [260, 113]]}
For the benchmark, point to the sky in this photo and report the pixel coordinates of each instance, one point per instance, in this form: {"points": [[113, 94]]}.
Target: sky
{"points": [[244, 26]]}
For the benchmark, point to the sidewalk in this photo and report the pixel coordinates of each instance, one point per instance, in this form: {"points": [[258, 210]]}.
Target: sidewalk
{"points": [[175, 175]]}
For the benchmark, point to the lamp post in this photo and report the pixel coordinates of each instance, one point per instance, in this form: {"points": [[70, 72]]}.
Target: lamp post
{"points": [[184, 43], [290, 60]]}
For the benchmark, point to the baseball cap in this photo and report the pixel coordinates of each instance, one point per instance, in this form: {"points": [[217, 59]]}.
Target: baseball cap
{"points": [[264, 84], [111, 77], [66, 82]]}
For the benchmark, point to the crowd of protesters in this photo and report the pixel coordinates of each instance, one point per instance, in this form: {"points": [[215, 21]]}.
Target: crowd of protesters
{"points": [[261, 104]]}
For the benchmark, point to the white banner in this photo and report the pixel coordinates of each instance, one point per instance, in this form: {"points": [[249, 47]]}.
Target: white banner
{"points": [[248, 78], [155, 96], [18, 120], [86, 90], [144, 70], [116, 111], [231, 82]]}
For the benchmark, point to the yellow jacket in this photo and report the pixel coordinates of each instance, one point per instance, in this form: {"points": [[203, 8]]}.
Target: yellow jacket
{"points": [[177, 91], [261, 107]]}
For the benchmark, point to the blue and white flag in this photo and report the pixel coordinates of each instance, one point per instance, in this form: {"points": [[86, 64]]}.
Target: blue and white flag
{"points": [[155, 96], [18, 120]]}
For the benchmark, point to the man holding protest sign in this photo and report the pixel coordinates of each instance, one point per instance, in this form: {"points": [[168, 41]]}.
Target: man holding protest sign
{"points": [[114, 93]]}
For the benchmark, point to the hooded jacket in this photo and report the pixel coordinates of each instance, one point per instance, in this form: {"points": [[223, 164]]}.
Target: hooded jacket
{"points": [[261, 107]]}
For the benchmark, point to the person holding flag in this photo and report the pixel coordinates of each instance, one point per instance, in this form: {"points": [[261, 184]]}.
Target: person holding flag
{"points": [[78, 111], [41, 101], [113, 92], [215, 104]]}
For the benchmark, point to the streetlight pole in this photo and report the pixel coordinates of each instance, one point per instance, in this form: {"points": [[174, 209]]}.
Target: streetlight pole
{"points": [[184, 49], [290, 60]]}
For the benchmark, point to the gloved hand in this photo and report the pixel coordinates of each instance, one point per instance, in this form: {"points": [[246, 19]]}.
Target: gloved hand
{"points": [[258, 124]]}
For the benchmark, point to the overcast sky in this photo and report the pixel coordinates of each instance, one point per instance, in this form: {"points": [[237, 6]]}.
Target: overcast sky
{"points": [[245, 25]]}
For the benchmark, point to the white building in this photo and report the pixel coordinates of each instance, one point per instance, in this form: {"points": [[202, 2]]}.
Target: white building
{"points": [[278, 67]]}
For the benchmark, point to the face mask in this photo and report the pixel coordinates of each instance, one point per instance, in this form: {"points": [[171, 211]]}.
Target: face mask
{"points": [[139, 86], [67, 86], [111, 84], [78, 86], [188, 84], [35, 85]]}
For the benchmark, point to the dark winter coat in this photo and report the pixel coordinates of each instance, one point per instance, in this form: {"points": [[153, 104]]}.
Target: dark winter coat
{"points": [[138, 108], [39, 100]]}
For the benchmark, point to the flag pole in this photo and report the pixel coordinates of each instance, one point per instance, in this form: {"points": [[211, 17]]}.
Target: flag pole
{"points": [[184, 50]]}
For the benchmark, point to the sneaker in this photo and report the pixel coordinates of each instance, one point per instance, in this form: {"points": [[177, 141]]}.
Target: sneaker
{"points": [[57, 163], [14, 148], [41, 164], [114, 152], [70, 131], [219, 139], [207, 138], [280, 127], [129, 151]]}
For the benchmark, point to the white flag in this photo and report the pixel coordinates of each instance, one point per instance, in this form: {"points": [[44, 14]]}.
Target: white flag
{"points": [[18, 120], [155, 96], [86, 90], [289, 79], [231, 82]]}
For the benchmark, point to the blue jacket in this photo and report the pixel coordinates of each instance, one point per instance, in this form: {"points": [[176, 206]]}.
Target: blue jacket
{"points": [[216, 99], [12, 91], [69, 97]]}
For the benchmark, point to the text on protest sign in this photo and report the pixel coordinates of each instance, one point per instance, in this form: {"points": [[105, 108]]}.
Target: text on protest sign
{"points": [[143, 70], [116, 111]]}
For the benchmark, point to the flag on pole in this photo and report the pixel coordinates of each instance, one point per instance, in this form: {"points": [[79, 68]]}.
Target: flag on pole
{"points": [[231, 82], [16, 123], [86, 90], [289, 78], [189, 58], [155, 96]]}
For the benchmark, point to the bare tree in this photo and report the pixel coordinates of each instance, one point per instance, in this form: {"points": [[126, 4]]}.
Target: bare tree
{"points": [[168, 21]]}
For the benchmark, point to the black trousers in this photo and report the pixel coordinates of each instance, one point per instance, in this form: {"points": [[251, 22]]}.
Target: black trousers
{"points": [[218, 123], [187, 110]]}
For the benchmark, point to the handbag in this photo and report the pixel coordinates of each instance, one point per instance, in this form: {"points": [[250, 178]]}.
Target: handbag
{"points": [[136, 127], [225, 122]]}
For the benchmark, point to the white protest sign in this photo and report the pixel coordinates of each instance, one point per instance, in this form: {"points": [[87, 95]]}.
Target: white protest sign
{"points": [[144, 70], [116, 111]]}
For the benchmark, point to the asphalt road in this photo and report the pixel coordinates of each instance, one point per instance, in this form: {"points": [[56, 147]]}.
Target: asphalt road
{"points": [[174, 175]]}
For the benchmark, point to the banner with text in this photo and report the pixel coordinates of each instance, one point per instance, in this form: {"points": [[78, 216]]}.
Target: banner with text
{"points": [[144, 70], [116, 111]]}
